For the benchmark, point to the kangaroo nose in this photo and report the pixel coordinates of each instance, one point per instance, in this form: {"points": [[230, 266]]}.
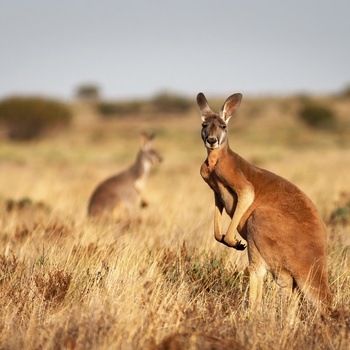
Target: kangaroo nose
{"points": [[212, 140]]}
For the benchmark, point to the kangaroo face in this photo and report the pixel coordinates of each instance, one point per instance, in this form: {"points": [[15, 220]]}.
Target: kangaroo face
{"points": [[149, 154], [214, 127], [153, 156], [214, 132]]}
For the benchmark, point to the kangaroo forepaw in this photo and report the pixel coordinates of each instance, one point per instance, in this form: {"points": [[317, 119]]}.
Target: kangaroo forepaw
{"points": [[144, 204], [240, 246], [236, 245]]}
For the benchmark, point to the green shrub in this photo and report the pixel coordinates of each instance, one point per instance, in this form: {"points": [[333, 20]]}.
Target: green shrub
{"points": [[317, 116], [169, 103], [111, 109], [27, 118], [88, 91], [341, 213]]}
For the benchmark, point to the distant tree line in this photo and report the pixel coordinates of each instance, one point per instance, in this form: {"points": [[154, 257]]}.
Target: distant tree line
{"points": [[26, 118], [162, 103]]}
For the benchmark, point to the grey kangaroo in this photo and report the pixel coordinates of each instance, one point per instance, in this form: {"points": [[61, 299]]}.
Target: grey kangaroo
{"points": [[119, 195]]}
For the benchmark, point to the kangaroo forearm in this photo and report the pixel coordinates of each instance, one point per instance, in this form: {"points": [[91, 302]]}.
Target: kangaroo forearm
{"points": [[217, 218], [245, 200], [217, 224]]}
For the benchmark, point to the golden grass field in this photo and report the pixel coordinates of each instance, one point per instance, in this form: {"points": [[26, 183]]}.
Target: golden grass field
{"points": [[161, 280]]}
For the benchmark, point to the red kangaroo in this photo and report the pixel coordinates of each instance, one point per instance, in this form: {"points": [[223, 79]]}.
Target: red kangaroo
{"points": [[283, 229]]}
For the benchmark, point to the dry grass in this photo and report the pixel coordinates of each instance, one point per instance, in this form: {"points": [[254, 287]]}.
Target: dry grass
{"points": [[161, 280]]}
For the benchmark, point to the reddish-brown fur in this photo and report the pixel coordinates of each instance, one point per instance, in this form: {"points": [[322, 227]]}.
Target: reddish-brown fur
{"points": [[283, 229]]}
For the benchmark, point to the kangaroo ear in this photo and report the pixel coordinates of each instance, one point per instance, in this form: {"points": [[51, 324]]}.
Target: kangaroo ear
{"points": [[203, 106], [145, 138], [230, 106]]}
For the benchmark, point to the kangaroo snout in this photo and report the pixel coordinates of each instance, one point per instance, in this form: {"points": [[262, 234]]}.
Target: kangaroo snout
{"points": [[159, 160], [212, 142]]}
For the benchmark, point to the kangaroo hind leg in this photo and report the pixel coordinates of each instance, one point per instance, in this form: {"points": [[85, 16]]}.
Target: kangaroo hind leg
{"points": [[257, 271]]}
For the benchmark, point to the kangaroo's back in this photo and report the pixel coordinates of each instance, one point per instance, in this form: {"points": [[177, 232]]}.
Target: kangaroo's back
{"points": [[120, 194]]}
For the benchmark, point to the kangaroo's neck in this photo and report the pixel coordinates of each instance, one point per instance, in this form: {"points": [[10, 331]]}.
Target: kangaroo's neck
{"points": [[215, 154], [141, 166]]}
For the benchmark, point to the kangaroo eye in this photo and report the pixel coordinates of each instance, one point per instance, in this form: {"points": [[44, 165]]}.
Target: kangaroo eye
{"points": [[223, 126], [204, 125]]}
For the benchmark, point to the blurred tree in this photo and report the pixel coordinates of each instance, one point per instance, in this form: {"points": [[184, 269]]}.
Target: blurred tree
{"points": [[88, 92]]}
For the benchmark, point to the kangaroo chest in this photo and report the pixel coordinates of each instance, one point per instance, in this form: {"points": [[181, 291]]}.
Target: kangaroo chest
{"points": [[227, 196], [140, 183]]}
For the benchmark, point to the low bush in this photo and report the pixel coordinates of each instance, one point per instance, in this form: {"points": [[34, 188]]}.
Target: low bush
{"points": [[112, 109], [26, 118], [88, 92], [170, 103], [317, 116], [341, 213]]}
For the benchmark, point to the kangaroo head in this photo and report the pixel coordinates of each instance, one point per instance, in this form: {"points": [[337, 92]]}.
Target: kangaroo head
{"points": [[149, 154], [214, 126]]}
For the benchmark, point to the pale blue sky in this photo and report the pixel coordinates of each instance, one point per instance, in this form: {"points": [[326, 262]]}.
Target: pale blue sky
{"points": [[136, 48]]}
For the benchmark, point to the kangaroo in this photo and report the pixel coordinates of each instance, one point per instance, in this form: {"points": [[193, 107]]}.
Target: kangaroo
{"points": [[282, 227], [119, 194]]}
